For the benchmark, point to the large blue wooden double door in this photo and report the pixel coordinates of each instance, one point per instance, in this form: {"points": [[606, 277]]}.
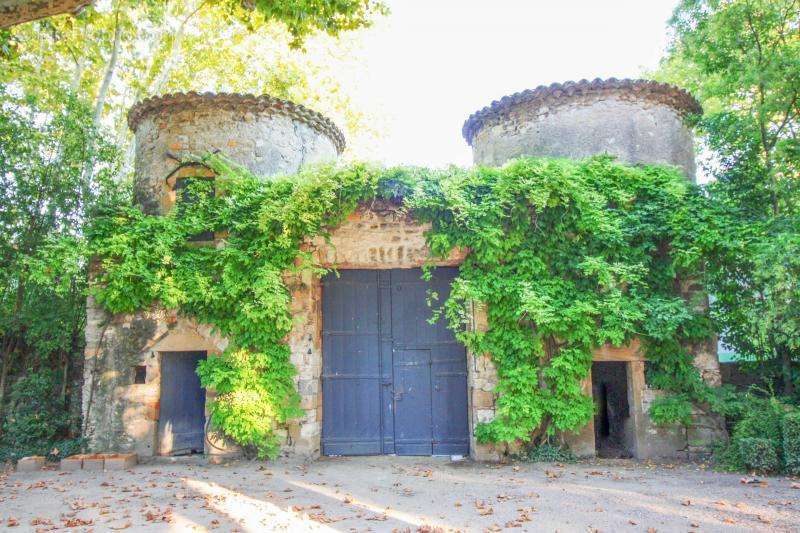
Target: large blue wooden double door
{"points": [[392, 382]]}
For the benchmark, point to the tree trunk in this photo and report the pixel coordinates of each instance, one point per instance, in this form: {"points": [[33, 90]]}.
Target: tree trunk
{"points": [[110, 68], [64, 377], [175, 50], [786, 372], [7, 353]]}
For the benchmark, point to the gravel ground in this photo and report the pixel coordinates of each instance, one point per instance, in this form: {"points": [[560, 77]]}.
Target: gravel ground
{"points": [[398, 494]]}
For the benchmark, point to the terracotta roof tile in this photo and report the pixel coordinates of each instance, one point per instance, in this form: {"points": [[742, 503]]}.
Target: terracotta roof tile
{"points": [[248, 102], [671, 95]]}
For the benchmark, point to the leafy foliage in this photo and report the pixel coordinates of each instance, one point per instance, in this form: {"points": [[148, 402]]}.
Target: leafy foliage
{"points": [[757, 438], [144, 48], [254, 391], [549, 453], [39, 422], [742, 59], [304, 17], [53, 171], [758, 454], [791, 442], [566, 256]]}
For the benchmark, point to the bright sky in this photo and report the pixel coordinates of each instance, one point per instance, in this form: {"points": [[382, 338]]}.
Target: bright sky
{"points": [[432, 63]]}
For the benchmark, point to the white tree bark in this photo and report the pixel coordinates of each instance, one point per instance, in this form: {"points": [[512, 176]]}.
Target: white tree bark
{"points": [[110, 68]]}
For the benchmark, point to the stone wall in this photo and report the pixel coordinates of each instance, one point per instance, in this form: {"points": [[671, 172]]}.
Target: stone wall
{"points": [[119, 414], [635, 130], [267, 136]]}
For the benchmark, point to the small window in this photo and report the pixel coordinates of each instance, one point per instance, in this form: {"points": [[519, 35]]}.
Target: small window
{"points": [[139, 375], [183, 192]]}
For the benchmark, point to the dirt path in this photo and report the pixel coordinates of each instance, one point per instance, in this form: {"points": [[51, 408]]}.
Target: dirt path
{"points": [[397, 493]]}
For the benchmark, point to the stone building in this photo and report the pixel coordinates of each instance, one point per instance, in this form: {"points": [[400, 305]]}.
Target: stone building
{"points": [[374, 377]]}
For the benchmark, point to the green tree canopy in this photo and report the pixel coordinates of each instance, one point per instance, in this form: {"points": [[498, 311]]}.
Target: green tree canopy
{"points": [[113, 55], [742, 59], [53, 171]]}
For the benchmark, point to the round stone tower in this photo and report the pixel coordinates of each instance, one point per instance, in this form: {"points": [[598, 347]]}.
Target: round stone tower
{"points": [[639, 121], [265, 134]]}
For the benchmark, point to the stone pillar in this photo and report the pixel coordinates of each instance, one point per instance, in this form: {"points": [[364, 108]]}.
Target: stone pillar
{"points": [[482, 380]]}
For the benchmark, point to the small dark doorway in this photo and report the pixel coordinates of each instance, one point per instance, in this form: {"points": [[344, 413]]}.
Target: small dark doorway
{"points": [[181, 420], [613, 429]]}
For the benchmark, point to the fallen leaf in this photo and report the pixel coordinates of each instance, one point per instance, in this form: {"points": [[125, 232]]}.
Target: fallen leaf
{"points": [[322, 518], [76, 522], [483, 508]]}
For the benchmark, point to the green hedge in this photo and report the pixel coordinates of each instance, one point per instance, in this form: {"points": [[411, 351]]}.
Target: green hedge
{"points": [[759, 454], [765, 437], [791, 442]]}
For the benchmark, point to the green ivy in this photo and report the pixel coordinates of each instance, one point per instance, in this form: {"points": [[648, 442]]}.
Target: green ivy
{"points": [[565, 255]]}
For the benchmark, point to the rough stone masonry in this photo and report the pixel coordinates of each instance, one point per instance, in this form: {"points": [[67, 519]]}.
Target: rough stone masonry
{"points": [[635, 120]]}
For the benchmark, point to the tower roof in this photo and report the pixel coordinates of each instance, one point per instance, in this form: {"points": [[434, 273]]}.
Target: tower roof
{"points": [[664, 93], [246, 102]]}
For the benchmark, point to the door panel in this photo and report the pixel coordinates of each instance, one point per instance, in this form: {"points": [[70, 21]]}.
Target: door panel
{"points": [[392, 381], [412, 402], [351, 374], [449, 382], [447, 372], [181, 420]]}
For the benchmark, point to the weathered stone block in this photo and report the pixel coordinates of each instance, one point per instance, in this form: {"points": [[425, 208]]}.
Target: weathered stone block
{"points": [[30, 464], [485, 452], [309, 430], [308, 387], [121, 461], [73, 462], [484, 415], [93, 462], [308, 402], [482, 399]]}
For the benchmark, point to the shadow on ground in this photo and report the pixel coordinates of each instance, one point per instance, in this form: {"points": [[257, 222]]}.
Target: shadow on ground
{"points": [[398, 493]]}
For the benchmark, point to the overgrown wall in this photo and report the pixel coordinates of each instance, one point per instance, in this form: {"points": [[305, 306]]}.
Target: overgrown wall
{"points": [[637, 121]]}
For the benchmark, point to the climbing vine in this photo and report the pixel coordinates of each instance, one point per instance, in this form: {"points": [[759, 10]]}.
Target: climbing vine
{"points": [[565, 256]]}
